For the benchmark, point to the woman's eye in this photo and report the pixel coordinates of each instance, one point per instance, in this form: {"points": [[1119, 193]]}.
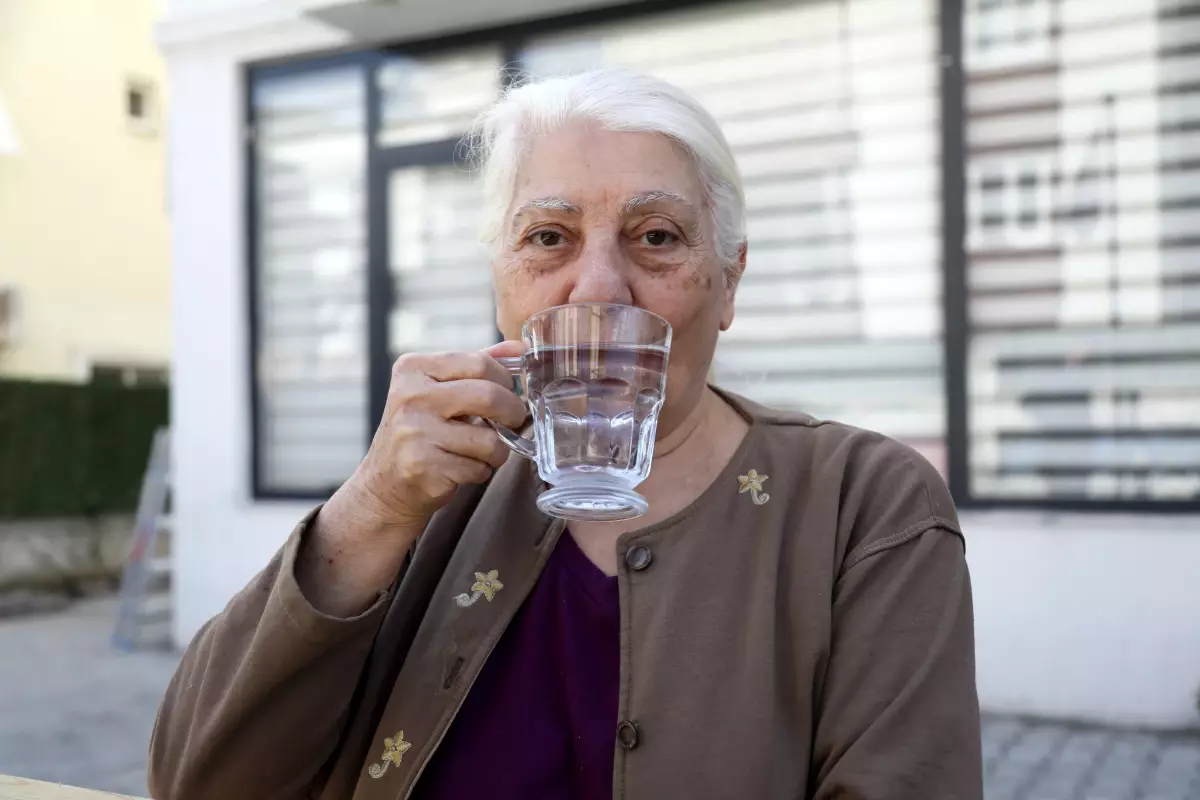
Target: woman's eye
{"points": [[658, 238], [547, 238]]}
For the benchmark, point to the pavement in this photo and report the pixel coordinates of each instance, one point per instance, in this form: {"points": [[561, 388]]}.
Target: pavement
{"points": [[74, 710], [1038, 760]]}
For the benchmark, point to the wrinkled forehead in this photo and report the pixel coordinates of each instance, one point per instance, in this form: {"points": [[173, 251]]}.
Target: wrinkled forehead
{"points": [[578, 168], [635, 202]]}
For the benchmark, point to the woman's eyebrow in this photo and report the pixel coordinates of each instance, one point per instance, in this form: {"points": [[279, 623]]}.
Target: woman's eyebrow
{"points": [[546, 204], [632, 204], [657, 195]]}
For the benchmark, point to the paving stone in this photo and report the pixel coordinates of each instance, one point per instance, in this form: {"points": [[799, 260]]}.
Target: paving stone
{"points": [[1174, 776], [992, 793], [1036, 745], [999, 734], [72, 709], [1060, 780], [1011, 779], [1180, 756]]}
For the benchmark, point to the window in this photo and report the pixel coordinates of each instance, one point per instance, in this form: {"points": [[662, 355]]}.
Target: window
{"points": [[332, 310], [1080, 381], [435, 98], [440, 285], [141, 106], [1083, 372], [136, 103], [310, 288]]}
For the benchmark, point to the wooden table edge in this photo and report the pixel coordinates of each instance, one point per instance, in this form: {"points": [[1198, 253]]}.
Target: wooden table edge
{"points": [[14, 788]]}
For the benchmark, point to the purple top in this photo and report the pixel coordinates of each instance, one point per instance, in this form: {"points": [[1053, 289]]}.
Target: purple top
{"points": [[541, 719]]}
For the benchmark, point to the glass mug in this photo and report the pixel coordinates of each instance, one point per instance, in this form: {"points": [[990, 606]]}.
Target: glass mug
{"points": [[594, 377]]}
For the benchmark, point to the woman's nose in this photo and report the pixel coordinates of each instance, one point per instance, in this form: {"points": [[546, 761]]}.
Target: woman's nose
{"points": [[601, 275]]}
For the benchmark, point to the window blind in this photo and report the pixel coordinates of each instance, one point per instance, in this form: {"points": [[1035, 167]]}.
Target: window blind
{"points": [[832, 111], [1083, 268], [435, 97], [439, 269], [310, 146]]}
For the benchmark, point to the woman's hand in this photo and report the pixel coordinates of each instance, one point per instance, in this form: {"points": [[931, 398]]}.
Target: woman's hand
{"points": [[424, 449]]}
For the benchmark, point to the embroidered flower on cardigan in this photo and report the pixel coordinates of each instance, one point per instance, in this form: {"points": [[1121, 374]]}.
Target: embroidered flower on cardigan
{"points": [[394, 749], [485, 586], [753, 483]]}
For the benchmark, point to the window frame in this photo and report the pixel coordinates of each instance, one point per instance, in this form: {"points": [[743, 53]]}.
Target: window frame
{"points": [[511, 39]]}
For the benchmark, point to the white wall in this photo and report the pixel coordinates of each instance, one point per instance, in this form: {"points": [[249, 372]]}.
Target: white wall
{"points": [[1083, 616], [223, 537], [1087, 616]]}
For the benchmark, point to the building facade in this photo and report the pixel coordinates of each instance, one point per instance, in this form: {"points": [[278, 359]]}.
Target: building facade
{"points": [[84, 271], [968, 229]]}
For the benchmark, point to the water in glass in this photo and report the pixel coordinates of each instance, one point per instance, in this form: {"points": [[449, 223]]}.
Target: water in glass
{"points": [[595, 411]]}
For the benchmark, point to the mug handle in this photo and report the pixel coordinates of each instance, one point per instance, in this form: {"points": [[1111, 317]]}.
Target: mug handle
{"points": [[518, 444]]}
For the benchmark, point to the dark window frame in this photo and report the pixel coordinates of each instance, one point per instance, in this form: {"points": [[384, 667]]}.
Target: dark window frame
{"points": [[511, 38]]}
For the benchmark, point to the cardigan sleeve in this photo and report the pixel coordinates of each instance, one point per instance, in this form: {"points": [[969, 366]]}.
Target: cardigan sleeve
{"points": [[898, 713], [256, 707]]}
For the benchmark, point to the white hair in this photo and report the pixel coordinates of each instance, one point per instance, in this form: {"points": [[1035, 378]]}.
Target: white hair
{"points": [[616, 100]]}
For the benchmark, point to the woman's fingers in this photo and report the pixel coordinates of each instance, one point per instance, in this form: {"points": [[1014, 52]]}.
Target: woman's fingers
{"points": [[455, 366], [474, 441], [476, 398]]}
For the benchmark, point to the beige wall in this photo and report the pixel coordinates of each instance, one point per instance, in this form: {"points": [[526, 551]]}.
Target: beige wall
{"points": [[83, 224]]}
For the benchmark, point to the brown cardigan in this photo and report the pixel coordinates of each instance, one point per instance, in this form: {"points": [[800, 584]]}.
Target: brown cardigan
{"points": [[802, 630]]}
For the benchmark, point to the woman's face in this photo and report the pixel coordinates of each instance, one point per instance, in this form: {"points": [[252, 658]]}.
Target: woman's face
{"points": [[616, 217]]}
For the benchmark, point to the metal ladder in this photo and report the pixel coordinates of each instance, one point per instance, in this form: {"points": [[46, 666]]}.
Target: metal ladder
{"points": [[144, 613]]}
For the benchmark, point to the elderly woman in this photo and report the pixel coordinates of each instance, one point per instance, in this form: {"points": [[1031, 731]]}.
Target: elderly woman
{"points": [[792, 619]]}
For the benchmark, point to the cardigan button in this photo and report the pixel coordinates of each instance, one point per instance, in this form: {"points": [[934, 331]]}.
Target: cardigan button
{"points": [[627, 734], [638, 557]]}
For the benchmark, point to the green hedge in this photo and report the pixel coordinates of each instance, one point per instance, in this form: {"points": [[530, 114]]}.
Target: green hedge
{"points": [[69, 450]]}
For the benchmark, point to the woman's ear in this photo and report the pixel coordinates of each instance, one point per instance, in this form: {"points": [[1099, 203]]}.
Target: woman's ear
{"points": [[732, 278]]}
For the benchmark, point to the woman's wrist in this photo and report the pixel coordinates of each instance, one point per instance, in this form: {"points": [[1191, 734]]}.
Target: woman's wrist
{"points": [[349, 556]]}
